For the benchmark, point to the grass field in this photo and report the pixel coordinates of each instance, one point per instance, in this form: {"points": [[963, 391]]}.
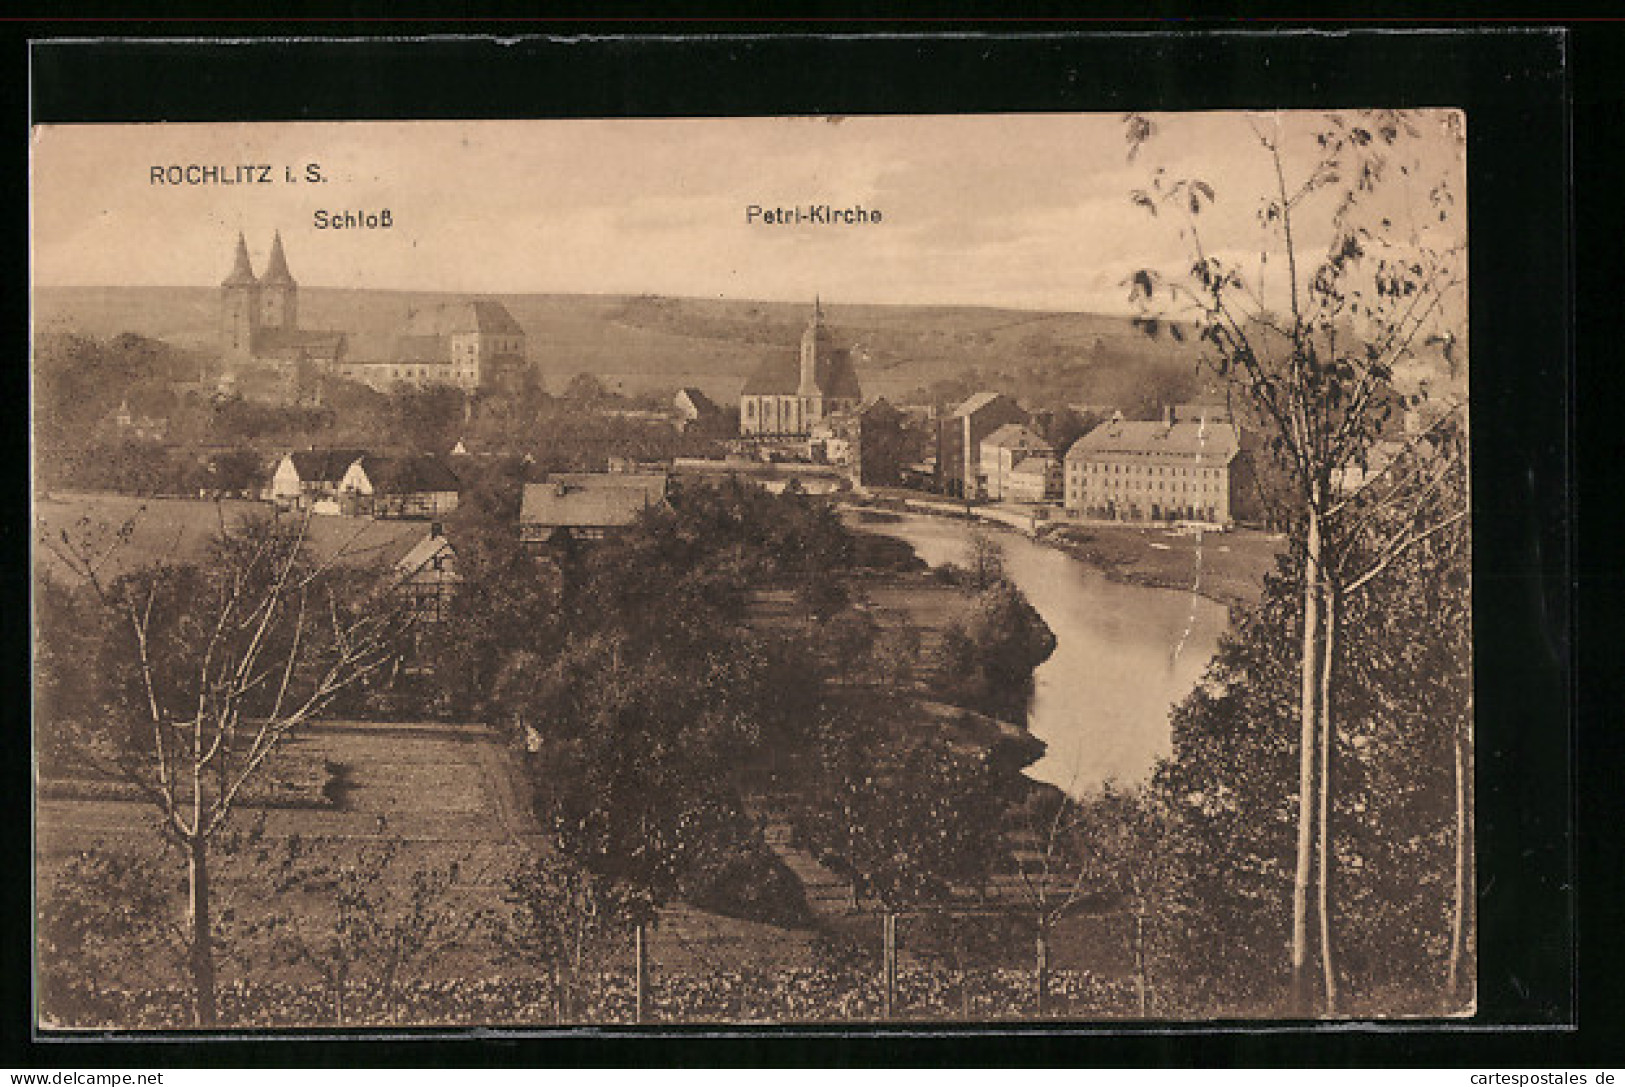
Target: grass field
{"points": [[1228, 567]]}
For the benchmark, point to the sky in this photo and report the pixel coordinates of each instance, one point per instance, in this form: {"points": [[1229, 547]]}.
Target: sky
{"points": [[1024, 210]]}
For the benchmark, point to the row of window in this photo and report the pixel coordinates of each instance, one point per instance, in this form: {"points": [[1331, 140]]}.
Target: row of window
{"points": [[1096, 468]]}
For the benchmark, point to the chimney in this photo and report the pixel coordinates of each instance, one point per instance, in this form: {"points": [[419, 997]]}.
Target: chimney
{"points": [[1168, 415], [436, 530]]}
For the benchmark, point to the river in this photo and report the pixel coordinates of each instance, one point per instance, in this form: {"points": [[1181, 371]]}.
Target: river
{"points": [[1124, 654]]}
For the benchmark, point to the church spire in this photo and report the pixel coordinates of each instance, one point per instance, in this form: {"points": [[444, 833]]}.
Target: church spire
{"points": [[276, 268], [242, 272], [818, 310]]}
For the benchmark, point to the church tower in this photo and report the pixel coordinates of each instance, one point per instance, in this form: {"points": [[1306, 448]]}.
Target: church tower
{"points": [[816, 346], [239, 306], [279, 294]]}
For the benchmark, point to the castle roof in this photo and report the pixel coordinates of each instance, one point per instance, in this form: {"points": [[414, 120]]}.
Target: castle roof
{"points": [[295, 343], [276, 270], [422, 348], [485, 315], [242, 272]]}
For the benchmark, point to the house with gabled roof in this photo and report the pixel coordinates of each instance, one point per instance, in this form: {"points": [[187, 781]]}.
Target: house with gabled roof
{"points": [[586, 505], [310, 476], [959, 440], [1012, 458], [415, 486]]}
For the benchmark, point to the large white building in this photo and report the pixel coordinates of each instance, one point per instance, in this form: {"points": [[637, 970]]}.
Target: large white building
{"points": [[1163, 470]]}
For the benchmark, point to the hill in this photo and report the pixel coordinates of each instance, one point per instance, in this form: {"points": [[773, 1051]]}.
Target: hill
{"points": [[644, 343]]}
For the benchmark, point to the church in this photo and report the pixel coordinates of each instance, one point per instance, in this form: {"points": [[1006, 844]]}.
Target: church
{"points": [[260, 317], [786, 396]]}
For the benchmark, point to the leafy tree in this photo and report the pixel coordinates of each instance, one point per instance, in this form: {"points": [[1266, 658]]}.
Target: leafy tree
{"points": [[561, 919], [1317, 362], [355, 913], [904, 816], [1226, 802], [207, 669], [986, 660]]}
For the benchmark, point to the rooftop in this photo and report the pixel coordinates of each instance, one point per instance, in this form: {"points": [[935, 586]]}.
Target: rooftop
{"points": [[413, 474], [591, 499], [1215, 441]]}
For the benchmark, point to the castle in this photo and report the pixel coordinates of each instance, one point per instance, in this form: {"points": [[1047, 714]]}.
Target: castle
{"points": [[474, 345], [785, 399], [260, 317]]}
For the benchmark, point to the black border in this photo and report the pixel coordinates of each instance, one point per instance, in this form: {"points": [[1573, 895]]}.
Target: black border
{"points": [[1515, 85]]}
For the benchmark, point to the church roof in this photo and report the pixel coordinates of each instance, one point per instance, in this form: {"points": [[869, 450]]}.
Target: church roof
{"points": [[276, 270], [779, 374], [242, 272]]}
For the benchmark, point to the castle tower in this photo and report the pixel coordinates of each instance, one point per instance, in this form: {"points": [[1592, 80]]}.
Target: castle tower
{"points": [[239, 306], [279, 293]]}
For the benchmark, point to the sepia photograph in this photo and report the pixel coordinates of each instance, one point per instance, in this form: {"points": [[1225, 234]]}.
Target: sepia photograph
{"points": [[782, 570]]}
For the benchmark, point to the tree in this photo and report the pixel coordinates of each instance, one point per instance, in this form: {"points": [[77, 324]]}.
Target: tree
{"points": [[561, 918], [1317, 364], [906, 817], [354, 912], [1225, 810], [209, 668]]}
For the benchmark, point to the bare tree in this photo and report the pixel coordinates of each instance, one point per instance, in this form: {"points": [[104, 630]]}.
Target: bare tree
{"points": [[210, 667], [1316, 359]]}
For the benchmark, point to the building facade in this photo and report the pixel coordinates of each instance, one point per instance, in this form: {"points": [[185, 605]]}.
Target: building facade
{"points": [[959, 441], [1163, 470], [786, 396], [1005, 451], [474, 345]]}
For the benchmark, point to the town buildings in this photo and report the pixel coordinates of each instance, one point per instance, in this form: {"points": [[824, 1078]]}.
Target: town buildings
{"points": [[787, 395], [873, 442], [700, 415], [310, 477], [1018, 464], [959, 441], [1163, 470], [355, 482], [416, 486], [586, 505]]}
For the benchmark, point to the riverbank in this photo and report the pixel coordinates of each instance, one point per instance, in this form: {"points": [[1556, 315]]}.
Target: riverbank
{"points": [[1225, 567]]}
